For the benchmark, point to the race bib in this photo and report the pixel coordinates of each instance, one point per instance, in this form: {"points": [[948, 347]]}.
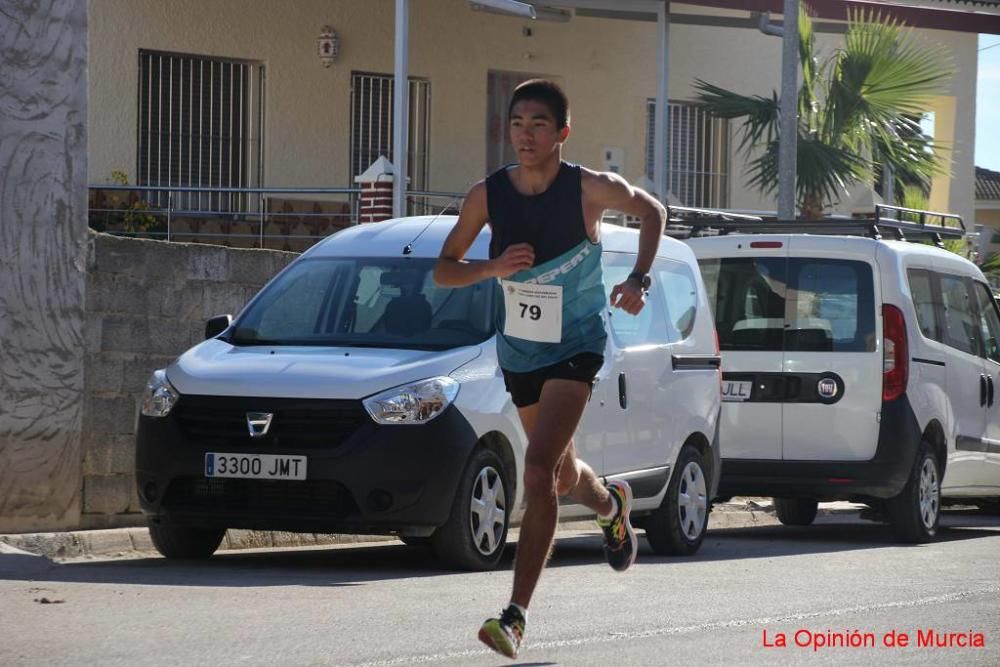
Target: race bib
{"points": [[534, 312]]}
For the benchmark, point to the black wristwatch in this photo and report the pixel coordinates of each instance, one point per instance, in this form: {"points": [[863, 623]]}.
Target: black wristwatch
{"points": [[641, 278]]}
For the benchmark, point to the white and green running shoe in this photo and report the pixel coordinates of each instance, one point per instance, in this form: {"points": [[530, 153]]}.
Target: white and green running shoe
{"points": [[504, 634]]}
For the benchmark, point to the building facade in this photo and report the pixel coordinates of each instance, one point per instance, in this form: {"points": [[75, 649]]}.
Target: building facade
{"points": [[234, 93]]}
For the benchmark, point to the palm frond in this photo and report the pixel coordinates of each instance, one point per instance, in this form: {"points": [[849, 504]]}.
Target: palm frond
{"points": [[822, 168], [881, 72], [760, 114]]}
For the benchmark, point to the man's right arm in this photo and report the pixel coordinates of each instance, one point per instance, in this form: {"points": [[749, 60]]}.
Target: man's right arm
{"points": [[452, 270]]}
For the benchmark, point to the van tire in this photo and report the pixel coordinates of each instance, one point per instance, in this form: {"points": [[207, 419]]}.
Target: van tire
{"points": [[455, 543], [179, 541], [915, 513], [796, 511], [667, 533]]}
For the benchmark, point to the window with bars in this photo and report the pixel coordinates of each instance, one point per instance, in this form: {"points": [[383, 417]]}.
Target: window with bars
{"points": [[200, 124], [371, 124], [698, 155]]}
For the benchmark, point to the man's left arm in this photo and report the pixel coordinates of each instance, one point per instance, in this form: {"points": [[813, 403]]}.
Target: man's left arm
{"points": [[611, 191]]}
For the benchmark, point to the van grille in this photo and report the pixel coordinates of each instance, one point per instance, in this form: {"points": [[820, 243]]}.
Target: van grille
{"points": [[296, 423], [324, 498]]}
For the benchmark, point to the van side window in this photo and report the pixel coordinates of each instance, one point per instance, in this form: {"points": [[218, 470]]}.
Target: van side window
{"points": [[923, 303], [649, 326], [677, 289], [989, 322], [961, 326], [747, 297]]}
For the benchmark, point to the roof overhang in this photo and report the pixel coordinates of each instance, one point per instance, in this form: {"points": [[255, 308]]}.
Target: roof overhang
{"points": [[936, 18]]}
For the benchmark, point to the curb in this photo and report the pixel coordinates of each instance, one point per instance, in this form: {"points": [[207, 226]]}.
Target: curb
{"points": [[123, 542]]}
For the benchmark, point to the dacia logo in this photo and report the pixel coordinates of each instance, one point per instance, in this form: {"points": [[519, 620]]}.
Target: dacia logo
{"points": [[258, 423]]}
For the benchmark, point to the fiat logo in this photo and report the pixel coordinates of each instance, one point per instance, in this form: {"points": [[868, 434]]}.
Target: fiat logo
{"points": [[827, 387]]}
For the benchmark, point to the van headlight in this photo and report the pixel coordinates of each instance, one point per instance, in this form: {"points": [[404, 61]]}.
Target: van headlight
{"points": [[159, 397], [416, 403]]}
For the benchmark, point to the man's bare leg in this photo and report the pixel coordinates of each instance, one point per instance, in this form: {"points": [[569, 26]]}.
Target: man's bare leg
{"points": [[555, 418]]}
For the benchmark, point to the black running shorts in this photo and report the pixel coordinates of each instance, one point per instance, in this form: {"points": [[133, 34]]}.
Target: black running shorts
{"points": [[526, 388]]}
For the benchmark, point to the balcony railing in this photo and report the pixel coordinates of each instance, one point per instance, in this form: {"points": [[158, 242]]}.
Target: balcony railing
{"points": [[284, 218]]}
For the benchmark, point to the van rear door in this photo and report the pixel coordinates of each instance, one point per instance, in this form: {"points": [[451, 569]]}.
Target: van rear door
{"points": [[833, 361], [745, 278]]}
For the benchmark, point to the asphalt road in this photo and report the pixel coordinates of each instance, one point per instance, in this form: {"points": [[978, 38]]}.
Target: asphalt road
{"points": [[388, 604]]}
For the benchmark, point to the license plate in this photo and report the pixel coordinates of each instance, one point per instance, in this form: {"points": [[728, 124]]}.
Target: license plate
{"points": [[736, 390], [255, 466]]}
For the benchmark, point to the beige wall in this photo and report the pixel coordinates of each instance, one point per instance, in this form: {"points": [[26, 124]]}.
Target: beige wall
{"points": [[990, 219], [606, 66]]}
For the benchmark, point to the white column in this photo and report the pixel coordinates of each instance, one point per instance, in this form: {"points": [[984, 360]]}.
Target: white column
{"points": [[661, 147], [400, 107]]}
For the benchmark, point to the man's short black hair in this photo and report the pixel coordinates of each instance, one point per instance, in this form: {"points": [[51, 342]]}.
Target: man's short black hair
{"points": [[546, 92]]}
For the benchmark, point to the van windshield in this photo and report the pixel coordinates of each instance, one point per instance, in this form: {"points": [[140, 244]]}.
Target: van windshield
{"points": [[366, 302], [799, 304]]}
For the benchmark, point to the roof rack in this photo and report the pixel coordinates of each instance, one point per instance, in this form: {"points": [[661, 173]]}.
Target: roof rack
{"points": [[905, 223]]}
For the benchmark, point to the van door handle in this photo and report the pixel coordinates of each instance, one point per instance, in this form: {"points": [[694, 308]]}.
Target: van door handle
{"points": [[622, 392], [989, 391], [982, 390]]}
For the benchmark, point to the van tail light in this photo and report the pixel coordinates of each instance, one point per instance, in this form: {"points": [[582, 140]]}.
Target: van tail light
{"points": [[895, 359]]}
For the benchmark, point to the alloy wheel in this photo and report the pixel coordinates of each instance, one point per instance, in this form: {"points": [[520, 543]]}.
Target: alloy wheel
{"points": [[488, 511], [930, 493], [692, 500]]}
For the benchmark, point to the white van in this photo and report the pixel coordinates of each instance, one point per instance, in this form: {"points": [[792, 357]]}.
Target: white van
{"points": [[854, 368], [354, 395]]}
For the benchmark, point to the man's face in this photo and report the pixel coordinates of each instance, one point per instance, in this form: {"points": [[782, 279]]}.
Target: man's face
{"points": [[533, 132]]}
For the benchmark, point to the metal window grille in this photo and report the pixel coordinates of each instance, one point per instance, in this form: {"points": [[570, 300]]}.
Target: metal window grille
{"points": [[371, 125], [200, 124], [698, 157]]}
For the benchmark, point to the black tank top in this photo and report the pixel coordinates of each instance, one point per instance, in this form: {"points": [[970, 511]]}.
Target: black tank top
{"points": [[551, 221]]}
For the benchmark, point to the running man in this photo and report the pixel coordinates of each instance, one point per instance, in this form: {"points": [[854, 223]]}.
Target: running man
{"points": [[546, 252]]}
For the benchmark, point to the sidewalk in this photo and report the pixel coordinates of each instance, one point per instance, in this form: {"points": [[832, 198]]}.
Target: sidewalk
{"points": [[123, 542]]}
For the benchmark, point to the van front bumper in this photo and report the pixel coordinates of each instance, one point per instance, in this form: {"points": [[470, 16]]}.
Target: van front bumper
{"points": [[882, 476], [361, 478]]}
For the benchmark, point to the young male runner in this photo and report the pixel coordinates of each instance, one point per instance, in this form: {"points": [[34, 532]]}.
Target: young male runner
{"points": [[546, 251]]}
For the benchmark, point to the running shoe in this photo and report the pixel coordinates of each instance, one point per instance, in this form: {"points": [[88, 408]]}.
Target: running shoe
{"points": [[620, 543], [504, 634]]}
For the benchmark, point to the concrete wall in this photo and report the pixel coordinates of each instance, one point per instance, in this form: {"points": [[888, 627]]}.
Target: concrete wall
{"points": [[147, 301], [43, 227], [607, 67]]}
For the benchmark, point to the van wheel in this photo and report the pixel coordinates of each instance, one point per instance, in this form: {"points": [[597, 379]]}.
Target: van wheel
{"points": [[914, 514], [474, 536], [175, 540], [795, 511], [677, 527]]}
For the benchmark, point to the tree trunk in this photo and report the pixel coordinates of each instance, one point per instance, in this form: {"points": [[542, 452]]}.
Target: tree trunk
{"points": [[812, 206]]}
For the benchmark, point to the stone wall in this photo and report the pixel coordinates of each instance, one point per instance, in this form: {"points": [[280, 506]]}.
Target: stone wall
{"points": [[147, 301], [43, 234]]}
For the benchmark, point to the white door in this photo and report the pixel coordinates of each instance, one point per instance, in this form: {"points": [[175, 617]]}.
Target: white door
{"points": [[989, 317], [966, 382], [747, 296], [833, 362], [639, 380]]}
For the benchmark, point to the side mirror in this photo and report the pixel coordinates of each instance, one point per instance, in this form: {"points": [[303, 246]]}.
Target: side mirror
{"points": [[217, 325]]}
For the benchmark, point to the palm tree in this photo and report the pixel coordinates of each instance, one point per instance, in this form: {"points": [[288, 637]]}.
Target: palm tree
{"points": [[856, 109]]}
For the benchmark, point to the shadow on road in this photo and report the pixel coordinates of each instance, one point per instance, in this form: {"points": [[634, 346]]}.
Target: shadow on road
{"points": [[358, 565]]}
